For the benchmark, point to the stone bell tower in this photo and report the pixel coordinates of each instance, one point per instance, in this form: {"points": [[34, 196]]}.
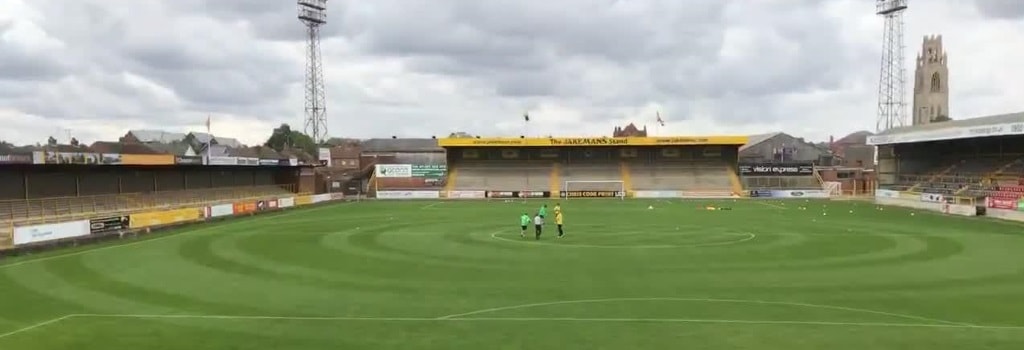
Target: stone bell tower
{"points": [[931, 83]]}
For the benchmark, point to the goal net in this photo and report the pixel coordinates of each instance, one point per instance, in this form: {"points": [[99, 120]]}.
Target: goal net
{"points": [[594, 189]]}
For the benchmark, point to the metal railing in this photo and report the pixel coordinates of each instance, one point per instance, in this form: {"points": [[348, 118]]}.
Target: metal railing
{"points": [[781, 183], [53, 210]]}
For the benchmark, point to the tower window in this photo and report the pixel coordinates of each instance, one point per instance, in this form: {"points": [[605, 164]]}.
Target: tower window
{"points": [[936, 82]]}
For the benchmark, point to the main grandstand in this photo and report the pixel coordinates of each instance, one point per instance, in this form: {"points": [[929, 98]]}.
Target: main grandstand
{"points": [[595, 166], [955, 161], [617, 166]]}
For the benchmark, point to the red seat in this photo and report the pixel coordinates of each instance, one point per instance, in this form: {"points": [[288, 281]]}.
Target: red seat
{"points": [[1006, 195]]}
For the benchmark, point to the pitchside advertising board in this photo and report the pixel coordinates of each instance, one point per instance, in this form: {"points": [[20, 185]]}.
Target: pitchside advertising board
{"points": [[50, 232], [780, 169], [932, 198], [286, 202], [657, 194], [518, 194], [109, 224], [590, 194], [217, 211], [887, 193], [408, 194], [467, 194], [789, 194], [1004, 203]]}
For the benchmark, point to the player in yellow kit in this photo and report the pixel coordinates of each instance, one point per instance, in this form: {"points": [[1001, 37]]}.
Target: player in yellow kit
{"points": [[558, 221]]}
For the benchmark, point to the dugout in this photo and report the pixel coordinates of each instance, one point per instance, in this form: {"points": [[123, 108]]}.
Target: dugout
{"points": [[598, 167], [963, 159]]}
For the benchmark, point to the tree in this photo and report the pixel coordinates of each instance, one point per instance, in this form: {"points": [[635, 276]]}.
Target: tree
{"points": [[284, 137], [51, 141], [942, 118], [74, 142]]}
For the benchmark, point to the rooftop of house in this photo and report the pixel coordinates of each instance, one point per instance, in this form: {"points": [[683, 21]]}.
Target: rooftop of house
{"points": [[157, 136], [175, 148], [754, 140], [122, 148]]}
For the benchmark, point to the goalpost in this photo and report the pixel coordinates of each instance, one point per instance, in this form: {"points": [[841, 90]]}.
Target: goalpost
{"points": [[618, 191]]}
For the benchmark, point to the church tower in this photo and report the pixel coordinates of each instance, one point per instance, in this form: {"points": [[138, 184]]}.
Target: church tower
{"points": [[931, 83]]}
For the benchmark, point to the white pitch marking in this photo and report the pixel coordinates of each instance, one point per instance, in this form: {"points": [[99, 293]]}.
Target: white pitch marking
{"points": [[742, 301], [776, 206], [37, 325], [149, 240], [521, 319], [428, 206], [749, 236]]}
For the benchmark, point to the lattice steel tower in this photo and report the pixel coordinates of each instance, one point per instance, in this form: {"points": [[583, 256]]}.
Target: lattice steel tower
{"points": [[312, 13], [892, 84]]}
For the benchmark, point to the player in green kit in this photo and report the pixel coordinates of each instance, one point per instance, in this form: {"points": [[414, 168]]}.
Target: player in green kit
{"points": [[543, 211], [524, 221]]}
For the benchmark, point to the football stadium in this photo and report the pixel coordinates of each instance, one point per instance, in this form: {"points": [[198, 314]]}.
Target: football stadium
{"points": [[398, 243], [907, 237]]}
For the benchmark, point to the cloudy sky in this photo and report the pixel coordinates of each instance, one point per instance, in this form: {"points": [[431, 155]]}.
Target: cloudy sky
{"points": [[416, 68]]}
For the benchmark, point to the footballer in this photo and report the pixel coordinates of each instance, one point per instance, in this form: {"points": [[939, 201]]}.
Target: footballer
{"points": [[524, 221]]}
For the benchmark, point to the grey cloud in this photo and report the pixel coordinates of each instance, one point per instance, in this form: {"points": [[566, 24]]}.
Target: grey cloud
{"points": [[205, 62], [17, 65], [523, 50], [455, 63], [268, 19], [93, 96], [1005, 9]]}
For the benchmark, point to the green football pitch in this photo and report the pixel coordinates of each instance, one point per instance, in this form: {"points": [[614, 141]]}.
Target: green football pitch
{"points": [[457, 275]]}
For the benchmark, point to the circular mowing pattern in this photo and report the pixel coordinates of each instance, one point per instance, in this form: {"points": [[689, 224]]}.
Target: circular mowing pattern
{"points": [[735, 238]]}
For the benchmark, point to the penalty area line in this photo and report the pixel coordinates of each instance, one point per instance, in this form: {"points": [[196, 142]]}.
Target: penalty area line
{"points": [[37, 325], [516, 319]]}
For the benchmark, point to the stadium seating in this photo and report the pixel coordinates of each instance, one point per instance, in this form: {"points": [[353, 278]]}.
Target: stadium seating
{"points": [[504, 176], [708, 176], [1007, 192], [962, 176], [52, 209], [534, 176], [592, 172]]}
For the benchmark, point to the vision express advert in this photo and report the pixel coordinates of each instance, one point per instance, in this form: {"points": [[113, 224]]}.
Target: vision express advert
{"points": [[780, 169]]}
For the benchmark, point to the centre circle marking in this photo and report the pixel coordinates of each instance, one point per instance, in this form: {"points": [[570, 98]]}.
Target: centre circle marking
{"points": [[743, 237]]}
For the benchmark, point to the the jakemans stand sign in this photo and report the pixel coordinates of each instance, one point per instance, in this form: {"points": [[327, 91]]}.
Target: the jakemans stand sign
{"points": [[589, 142]]}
